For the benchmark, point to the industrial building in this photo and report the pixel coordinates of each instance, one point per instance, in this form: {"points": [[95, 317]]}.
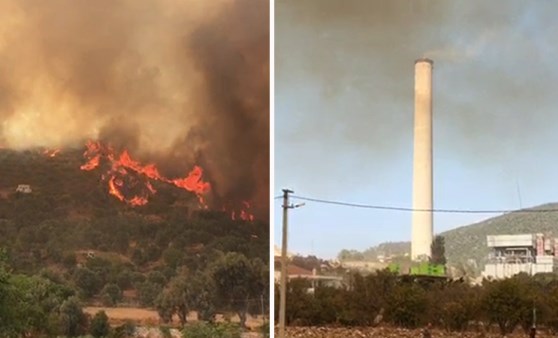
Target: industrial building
{"points": [[513, 254]]}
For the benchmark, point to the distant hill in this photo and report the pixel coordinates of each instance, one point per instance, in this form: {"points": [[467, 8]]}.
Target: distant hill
{"points": [[469, 242]]}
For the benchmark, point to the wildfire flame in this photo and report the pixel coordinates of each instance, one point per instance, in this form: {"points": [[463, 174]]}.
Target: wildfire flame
{"points": [[122, 166], [244, 214], [125, 173]]}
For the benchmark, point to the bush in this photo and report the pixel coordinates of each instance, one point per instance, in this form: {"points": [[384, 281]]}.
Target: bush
{"points": [[165, 332], [124, 279], [205, 330], [407, 306], [99, 325], [125, 330], [507, 302], [88, 282], [156, 277], [69, 260], [264, 330], [111, 294], [73, 321], [148, 292]]}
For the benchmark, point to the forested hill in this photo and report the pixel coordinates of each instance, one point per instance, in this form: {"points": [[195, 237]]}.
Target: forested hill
{"points": [[469, 242], [69, 215]]}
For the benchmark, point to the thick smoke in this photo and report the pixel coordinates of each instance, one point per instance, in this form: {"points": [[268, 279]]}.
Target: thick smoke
{"points": [[345, 72], [175, 82]]}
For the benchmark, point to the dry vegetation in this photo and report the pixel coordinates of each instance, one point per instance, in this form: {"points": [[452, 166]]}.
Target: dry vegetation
{"points": [[325, 332], [148, 317]]}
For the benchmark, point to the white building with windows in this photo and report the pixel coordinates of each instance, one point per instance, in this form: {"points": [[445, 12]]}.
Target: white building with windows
{"points": [[513, 254]]}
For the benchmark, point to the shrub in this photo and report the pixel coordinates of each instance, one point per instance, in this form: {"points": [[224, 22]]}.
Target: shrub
{"points": [[264, 329], [165, 332], [111, 294], [205, 330], [99, 325], [125, 330], [407, 306]]}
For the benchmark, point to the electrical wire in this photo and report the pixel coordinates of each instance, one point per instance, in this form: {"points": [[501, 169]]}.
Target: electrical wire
{"points": [[395, 208]]}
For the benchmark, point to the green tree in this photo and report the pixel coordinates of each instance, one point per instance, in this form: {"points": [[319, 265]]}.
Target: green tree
{"points": [[299, 302], [138, 257], [157, 277], [100, 325], [126, 330], [101, 267], [111, 294], [39, 297], [438, 250], [211, 330], [87, 281], [350, 255], [148, 292], [505, 303], [237, 280], [552, 307], [187, 293], [124, 279], [73, 320], [165, 305], [457, 306], [407, 306], [360, 304], [173, 257], [69, 260], [28, 305], [12, 322]]}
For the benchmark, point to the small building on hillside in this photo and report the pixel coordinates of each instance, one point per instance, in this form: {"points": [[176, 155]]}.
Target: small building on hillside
{"points": [[24, 189], [297, 272], [364, 266], [513, 254], [315, 279]]}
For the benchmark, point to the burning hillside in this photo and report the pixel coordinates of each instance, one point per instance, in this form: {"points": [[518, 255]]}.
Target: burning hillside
{"points": [[131, 182], [127, 174], [110, 178], [172, 93]]}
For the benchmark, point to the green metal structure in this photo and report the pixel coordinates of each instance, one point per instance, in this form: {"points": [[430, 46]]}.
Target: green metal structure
{"points": [[421, 269]]}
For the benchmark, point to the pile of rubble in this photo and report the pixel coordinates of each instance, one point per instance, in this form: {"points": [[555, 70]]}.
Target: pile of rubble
{"points": [[339, 332]]}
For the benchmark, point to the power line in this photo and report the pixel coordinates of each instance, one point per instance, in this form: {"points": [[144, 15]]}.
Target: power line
{"points": [[394, 208]]}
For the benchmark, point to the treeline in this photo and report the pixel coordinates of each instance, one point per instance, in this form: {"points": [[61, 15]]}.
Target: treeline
{"points": [[47, 305], [372, 253], [384, 298], [37, 306], [103, 257]]}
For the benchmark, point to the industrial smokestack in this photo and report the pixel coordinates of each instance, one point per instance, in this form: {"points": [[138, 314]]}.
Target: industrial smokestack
{"points": [[422, 161]]}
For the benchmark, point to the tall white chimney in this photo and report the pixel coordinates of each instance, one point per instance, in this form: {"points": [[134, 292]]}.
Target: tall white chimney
{"points": [[422, 161]]}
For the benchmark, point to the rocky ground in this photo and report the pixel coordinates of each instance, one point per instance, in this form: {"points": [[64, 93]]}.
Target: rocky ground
{"points": [[312, 332], [145, 332]]}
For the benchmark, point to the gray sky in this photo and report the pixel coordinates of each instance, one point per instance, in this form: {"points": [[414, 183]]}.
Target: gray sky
{"points": [[344, 112]]}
